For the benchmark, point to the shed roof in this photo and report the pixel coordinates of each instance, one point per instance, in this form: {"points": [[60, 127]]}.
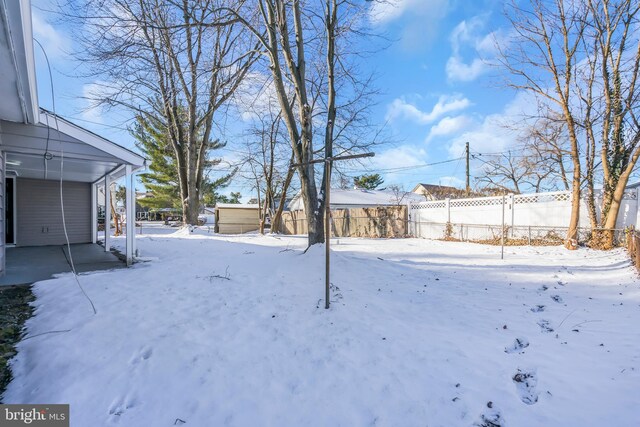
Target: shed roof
{"points": [[237, 206]]}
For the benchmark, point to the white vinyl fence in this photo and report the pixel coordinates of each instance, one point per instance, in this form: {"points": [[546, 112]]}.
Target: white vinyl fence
{"points": [[524, 216]]}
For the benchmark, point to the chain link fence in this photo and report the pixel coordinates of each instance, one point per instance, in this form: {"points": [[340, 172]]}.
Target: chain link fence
{"points": [[633, 247]]}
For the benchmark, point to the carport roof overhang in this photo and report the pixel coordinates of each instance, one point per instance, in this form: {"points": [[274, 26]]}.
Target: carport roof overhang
{"points": [[80, 155], [17, 66]]}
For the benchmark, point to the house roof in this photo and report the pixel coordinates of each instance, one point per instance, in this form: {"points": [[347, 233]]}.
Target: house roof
{"points": [[435, 187], [38, 143], [18, 89], [361, 197], [78, 153]]}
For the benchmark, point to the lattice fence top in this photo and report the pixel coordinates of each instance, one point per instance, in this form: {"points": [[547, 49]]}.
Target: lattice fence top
{"points": [[627, 195], [630, 195], [429, 205], [556, 196], [563, 196], [480, 201]]}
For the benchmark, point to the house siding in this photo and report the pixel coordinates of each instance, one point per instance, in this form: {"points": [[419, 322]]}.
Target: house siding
{"points": [[39, 215]]}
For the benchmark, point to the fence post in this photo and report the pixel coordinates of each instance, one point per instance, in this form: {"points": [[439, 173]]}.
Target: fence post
{"points": [[513, 212], [636, 246], [448, 200], [529, 235], [637, 208]]}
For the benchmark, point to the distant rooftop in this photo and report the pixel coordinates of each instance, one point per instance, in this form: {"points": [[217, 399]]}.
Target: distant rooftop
{"points": [[361, 197]]}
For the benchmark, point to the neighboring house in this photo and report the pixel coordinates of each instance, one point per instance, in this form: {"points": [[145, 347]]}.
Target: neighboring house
{"points": [[437, 192], [41, 151], [236, 218], [207, 215], [360, 198]]}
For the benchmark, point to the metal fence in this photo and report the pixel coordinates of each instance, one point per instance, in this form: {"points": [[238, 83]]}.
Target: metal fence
{"points": [[633, 246]]}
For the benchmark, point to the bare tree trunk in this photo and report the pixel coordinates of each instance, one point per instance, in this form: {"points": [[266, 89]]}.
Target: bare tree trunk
{"points": [[277, 217]]}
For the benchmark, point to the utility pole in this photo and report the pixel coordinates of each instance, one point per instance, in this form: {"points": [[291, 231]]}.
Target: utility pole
{"points": [[328, 164], [468, 187]]}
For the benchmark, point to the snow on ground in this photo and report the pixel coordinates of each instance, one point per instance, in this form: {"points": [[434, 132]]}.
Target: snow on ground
{"points": [[232, 331]]}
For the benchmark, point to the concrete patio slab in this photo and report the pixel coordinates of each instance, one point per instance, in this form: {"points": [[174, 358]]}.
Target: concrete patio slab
{"points": [[31, 264]]}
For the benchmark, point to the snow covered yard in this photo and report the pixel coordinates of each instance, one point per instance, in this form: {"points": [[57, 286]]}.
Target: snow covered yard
{"points": [[233, 331]]}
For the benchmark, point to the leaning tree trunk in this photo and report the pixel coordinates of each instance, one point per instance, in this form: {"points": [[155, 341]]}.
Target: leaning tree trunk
{"points": [[277, 217], [313, 208], [571, 241]]}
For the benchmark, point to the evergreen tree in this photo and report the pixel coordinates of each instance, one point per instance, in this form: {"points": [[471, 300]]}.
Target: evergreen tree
{"points": [[152, 138], [368, 182]]}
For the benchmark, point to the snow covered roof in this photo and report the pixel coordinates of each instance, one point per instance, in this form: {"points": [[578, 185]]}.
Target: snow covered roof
{"points": [[361, 197], [237, 206]]}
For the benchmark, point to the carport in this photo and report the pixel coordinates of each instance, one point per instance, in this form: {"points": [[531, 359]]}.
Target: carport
{"points": [[50, 168], [26, 265]]}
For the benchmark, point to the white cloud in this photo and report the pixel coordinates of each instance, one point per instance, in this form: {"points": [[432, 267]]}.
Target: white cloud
{"points": [[450, 126], [398, 157], [458, 70], [91, 94], [468, 35], [401, 109], [257, 94], [55, 43], [420, 19], [494, 134]]}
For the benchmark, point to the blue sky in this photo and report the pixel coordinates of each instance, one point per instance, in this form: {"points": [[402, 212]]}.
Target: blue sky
{"points": [[438, 88]]}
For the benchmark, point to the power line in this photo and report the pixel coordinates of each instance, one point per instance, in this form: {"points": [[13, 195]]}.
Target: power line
{"points": [[404, 168]]}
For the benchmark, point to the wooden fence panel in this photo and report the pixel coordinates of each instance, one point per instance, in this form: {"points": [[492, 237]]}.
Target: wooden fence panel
{"points": [[374, 222]]}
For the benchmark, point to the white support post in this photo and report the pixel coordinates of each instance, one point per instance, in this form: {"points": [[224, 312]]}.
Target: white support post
{"points": [[133, 218], [130, 215], [94, 213], [107, 213]]}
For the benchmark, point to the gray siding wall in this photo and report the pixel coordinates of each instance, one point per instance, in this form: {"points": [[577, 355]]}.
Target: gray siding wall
{"points": [[40, 217]]}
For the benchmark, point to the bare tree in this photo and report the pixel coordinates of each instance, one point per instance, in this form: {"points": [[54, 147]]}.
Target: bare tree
{"points": [[613, 94], [536, 164], [582, 59], [268, 160], [176, 60], [309, 53], [542, 58], [505, 172]]}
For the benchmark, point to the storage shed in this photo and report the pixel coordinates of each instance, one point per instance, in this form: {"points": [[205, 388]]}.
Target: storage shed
{"points": [[234, 218]]}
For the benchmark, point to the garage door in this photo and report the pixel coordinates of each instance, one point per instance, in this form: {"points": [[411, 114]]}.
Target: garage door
{"points": [[40, 217]]}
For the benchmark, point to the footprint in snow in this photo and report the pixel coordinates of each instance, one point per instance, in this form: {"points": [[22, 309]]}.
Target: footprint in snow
{"points": [[557, 298], [544, 288], [492, 417], [544, 326], [143, 354], [526, 382], [538, 308], [518, 345], [120, 405]]}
